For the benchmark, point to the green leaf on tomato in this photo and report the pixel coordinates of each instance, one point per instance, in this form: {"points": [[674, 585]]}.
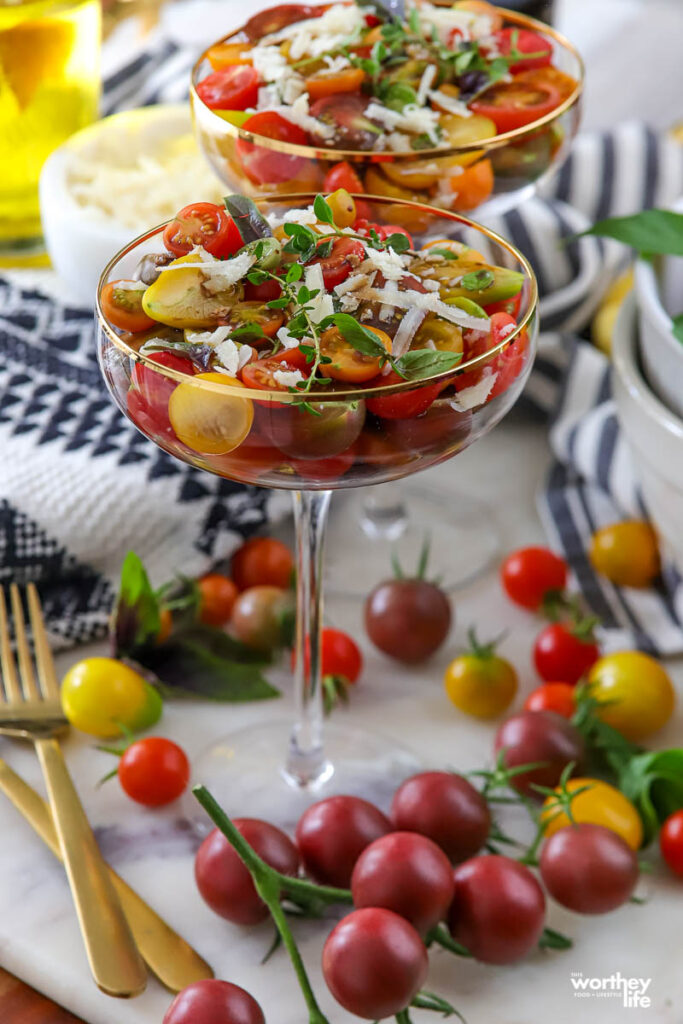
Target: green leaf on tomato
{"points": [[359, 337], [477, 280], [136, 620], [421, 363], [323, 210]]}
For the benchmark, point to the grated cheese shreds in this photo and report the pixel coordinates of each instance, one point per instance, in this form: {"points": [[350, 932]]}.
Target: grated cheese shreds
{"points": [[288, 378], [115, 184]]}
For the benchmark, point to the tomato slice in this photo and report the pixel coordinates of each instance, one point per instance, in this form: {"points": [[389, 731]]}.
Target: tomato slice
{"points": [[204, 224], [333, 83], [269, 320], [261, 374], [538, 51], [276, 18], [549, 77], [148, 399], [265, 166], [346, 114], [346, 254], [123, 306], [224, 55], [511, 306], [231, 88], [264, 292], [406, 404], [209, 421], [348, 363], [512, 105], [507, 364]]}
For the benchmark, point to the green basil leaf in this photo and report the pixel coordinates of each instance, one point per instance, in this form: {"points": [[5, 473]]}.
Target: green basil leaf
{"points": [[422, 141], [649, 232], [201, 355], [477, 280], [398, 242], [280, 303], [246, 332], [678, 327], [358, 336], [399, 95], [248, 219], [136, 620], [295, 273], [323, 210], [447, 254], [421, 363]]}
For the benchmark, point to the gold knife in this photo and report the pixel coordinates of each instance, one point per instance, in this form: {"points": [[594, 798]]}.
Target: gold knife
{"points": [[167, 955]]}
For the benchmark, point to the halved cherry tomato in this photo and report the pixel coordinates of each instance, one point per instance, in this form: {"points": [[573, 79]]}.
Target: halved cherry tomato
{"points": [[269, 320], [346, 254], [549, 77], [204, 224], [324, 469], [333, 83], [225, 55], [231, 88], [537, 51], [512, 105], [343, 175], [473, 186], [123, 307], [479, 342], [265, 166], [155, 389], [275, 18], [511, 306], [261, 374], [346, 114], [557, 697], [406, 404], [347, 362]]}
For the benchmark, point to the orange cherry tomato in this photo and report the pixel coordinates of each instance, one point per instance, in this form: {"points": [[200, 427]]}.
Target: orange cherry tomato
{"points": [[347, 362], [557, 697], [123, 307], [331, 83], [224, 55], [217, 595], [473, 186], [261, 562], [549, 77]]}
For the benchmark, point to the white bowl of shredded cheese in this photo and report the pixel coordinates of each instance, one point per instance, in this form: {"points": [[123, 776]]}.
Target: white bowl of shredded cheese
{"points": [[112, 181]]}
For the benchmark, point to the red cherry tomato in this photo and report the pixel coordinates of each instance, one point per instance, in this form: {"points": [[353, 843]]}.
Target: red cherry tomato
{"points": [[406, 404], [340, 655], [123, 307], [266, 166], [363, 226], [588, 868], [155, 389], [511, 105], [214, 1002], [324, 469], [509, 363], [498, 909], [537, 50], [332, 834], [407, 873], [262, 561], [217, 595], [276, 18], [542, 738], [231, 88], [261, 373], [563, 656], [224, 881], [671, 842], [374, 963], [557, 697], [529, 574], [511, 306], [346, 254], [478, 342], [447, 809], [154, 771], [343, 175], [264, 292], [202, 224]]}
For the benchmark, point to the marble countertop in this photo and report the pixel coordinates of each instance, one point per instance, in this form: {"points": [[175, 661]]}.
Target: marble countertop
{"points": [[39, 940]]}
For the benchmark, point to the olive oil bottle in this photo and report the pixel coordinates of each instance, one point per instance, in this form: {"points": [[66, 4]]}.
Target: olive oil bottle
{"points": [[49, 88]]}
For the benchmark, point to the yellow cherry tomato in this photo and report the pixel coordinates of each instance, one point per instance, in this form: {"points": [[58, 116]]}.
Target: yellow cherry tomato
{"points": [[600, 804], [460, 250], [626, 553], [343, 208], [206, 420], [640, 694], [481, 683], [101, 694]]}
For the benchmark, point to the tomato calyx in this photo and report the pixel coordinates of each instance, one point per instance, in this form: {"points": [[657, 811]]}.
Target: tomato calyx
{"points": [[483, 651], [421, 568]]}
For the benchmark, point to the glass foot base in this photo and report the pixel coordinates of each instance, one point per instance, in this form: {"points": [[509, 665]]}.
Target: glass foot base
{"points": [[245, 772], [367, 528]]}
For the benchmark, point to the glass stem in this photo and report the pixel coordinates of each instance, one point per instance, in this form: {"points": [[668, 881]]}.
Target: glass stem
{"points": [[384, 515], [306, 763]]}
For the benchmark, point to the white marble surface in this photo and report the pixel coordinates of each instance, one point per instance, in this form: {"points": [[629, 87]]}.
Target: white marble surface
{"points": [[39, 940]]}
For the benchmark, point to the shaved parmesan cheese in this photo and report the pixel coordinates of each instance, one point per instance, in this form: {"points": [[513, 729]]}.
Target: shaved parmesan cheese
{"points": [[388, 262], [207, 337], [321, 304], [348, 303], [431, 286], [130, 286], [336, 63], [339, 25], [233, 356], [306, 216], [226, 273], [471, 398], [288, 378], [507, 329], [428, 76], [469, 23], [428, 301], [406, 331], [287, 340], [418, 120], [354, 282], [450, 103], [298, 114]]}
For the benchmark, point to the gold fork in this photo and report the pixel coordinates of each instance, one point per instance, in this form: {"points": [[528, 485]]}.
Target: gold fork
{"points": [[34, 712]]}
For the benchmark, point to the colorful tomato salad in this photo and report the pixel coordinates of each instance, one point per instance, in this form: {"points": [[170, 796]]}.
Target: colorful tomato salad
{"points": [[354, 77], [318, 300]]}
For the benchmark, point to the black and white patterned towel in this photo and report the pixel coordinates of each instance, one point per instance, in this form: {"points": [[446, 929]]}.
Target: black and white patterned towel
{"points": [[79, 485]]}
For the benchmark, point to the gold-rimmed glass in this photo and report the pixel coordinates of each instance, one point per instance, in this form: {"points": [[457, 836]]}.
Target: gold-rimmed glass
{"points": [[520, 159], [275, 768]]}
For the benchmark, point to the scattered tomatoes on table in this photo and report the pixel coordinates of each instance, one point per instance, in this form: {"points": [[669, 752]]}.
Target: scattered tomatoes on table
{"points": [[530, 574], [635, 692], [211, 1001], [598, 804], [447, 809], [154, 771], [332, 834], [480, 682], [262, 561], [626, 553], [588, 868], [540, 738], [217, 596], [564, 652]]}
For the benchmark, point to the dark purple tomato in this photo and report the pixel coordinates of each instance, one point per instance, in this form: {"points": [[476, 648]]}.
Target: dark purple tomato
{"points": [[346, 115], [407, 873], [332, 834], [498, 909], [408, 619], [374, 963], [223, 880], [214, 1002], [440, 429], [447, 809], [539, 736], [588, 868]]}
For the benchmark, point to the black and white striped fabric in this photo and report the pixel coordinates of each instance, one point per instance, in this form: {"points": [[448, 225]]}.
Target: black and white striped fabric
{"points": [[78, 480]]}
